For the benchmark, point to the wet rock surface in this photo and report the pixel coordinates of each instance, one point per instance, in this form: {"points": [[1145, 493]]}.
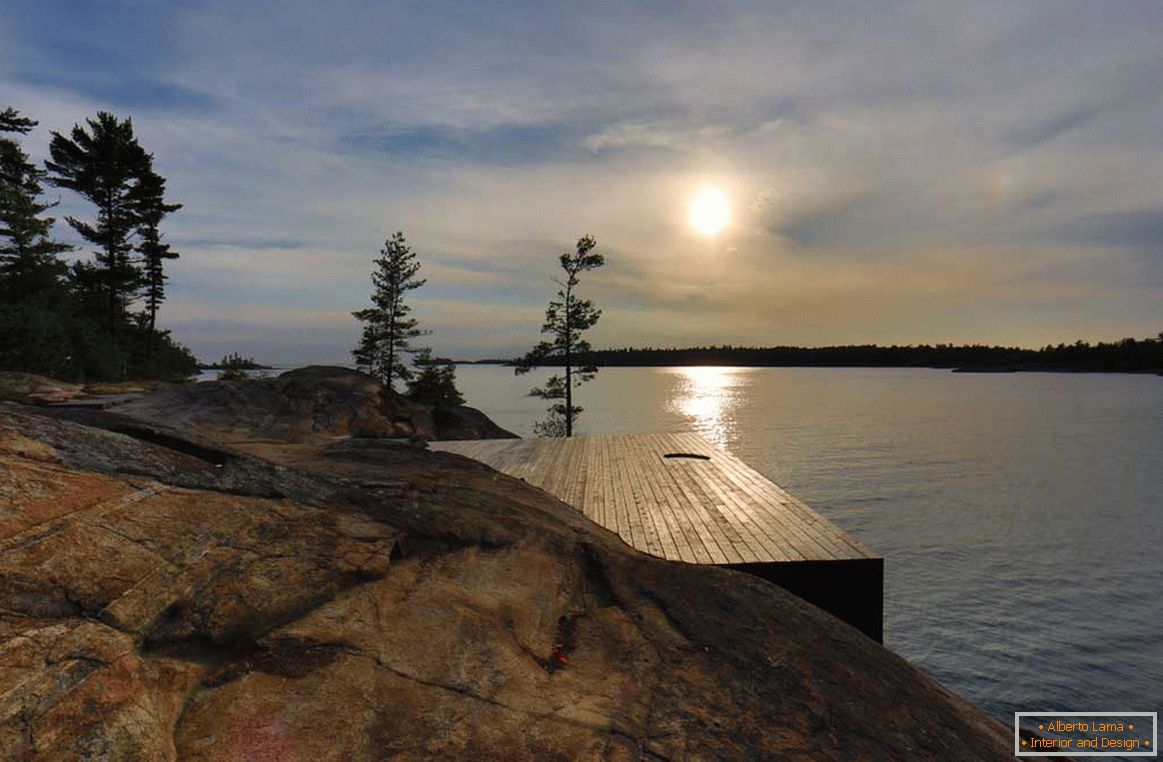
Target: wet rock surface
{"points": [[166, 596]]}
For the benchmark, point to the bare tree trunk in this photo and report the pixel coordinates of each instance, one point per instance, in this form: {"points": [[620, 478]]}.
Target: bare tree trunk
{"points": [[152, 332], [391, 345], [568, 362], [568, 397]]}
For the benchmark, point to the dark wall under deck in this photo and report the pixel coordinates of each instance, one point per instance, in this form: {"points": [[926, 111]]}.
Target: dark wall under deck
{"points": [[851, 590]]}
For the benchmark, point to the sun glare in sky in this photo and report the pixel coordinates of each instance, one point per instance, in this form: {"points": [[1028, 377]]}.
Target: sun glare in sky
{"points": [[709, 211]]}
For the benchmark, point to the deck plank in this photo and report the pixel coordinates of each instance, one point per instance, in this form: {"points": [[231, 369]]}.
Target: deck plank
{"points": [[806, 531], [805, 526], [720, 515], [681, 474], [715, 511], [659, 541], [633, 532], [772, 539], [695, 550], [676, 529]]}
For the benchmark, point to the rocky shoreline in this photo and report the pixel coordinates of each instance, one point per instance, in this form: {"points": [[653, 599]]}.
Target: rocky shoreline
{"points": [[268, 572]]}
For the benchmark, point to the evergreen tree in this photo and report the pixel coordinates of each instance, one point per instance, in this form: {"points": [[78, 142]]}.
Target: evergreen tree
{"points": [[435, 381], [151, 208], [387, 330], [566, 318], [29, 265], [70, 327], [106, 166], [36, 321]]}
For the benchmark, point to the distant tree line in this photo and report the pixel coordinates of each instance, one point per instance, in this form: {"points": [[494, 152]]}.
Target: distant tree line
{"points": [[92, 319], [1126, 355]]}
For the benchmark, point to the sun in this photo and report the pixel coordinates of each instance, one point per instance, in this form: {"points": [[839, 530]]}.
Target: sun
{"points": [[709, 211]]}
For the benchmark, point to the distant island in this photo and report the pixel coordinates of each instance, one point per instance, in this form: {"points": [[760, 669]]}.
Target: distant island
{"points": [[246, 366], [1123, 356], [235, 361]]}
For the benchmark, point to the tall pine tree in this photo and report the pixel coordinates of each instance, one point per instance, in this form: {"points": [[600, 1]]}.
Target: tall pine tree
{"points": [[29, 265], [151, 208], [388, 331], [103, 162], [566, 318], [105, 165], [35, 305]]}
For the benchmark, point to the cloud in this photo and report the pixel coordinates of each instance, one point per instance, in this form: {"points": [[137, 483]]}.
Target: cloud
{"points": [[511, 144], [655, 135], [1047, 128], [1140, 229], [242, 242], [121, 92], [900, 172]]}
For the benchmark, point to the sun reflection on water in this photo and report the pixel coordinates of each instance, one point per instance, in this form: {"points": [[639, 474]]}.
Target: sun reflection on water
{"points": [[708, 397]]}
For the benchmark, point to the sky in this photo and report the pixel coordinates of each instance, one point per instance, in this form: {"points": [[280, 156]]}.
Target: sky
{"points": [[896, 172]]}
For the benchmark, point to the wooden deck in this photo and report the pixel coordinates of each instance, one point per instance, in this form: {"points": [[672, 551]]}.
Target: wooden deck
{"points": [[678, 497]]}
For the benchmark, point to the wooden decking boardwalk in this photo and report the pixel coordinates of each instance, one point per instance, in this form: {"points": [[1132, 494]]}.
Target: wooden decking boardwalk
{"points": [[711, 508], [704, 506]]}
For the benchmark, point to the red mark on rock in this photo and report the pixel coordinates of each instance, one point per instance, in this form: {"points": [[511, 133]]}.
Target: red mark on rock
{"points": [[260, 738]]}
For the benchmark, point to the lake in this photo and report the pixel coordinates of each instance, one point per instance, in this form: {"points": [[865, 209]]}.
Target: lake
{"points": [[1020, 515]]}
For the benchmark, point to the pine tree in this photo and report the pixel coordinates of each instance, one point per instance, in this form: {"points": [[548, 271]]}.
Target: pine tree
{"points": [[29, 265], [387, 330], [566, 319], [105, 165], [151, 209], [36, 311], [435, 381]]}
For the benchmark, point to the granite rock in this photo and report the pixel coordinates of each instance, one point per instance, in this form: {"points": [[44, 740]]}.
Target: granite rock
{"points": [[164, 596]]}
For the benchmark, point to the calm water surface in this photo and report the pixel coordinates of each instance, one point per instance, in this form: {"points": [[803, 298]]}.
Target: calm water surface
{"points": [[1020, 515]]}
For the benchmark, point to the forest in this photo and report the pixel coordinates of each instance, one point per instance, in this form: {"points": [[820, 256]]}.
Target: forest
{"points": [[94, 318], [1125, 356]]}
